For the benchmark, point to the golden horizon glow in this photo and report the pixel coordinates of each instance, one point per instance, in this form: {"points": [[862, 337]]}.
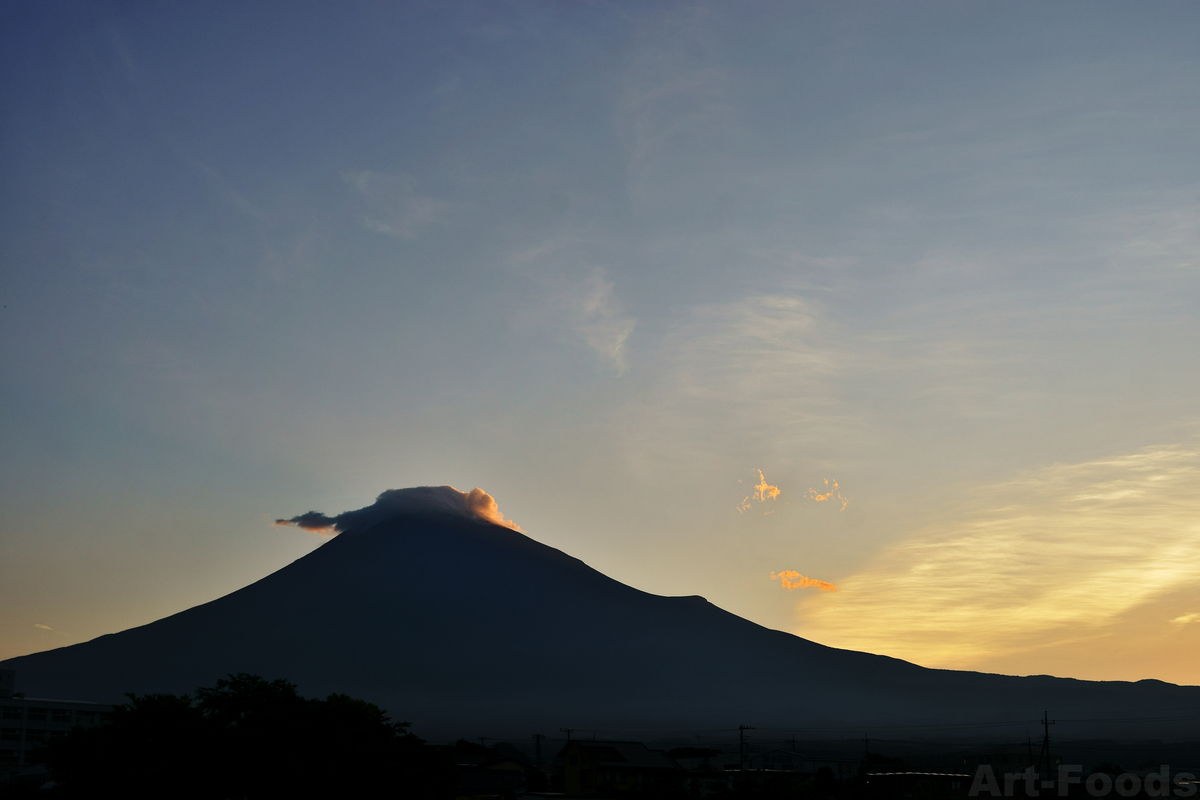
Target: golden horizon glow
{"points": [[1067, 556]]}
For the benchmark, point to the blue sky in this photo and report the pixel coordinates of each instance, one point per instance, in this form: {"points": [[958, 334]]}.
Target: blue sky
{"points": [[605, 261]]}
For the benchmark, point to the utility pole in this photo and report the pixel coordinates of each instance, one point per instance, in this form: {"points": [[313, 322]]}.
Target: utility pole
{"points": [[568, 732], [483, 741], [793, 741], [537, 743], [1045, 752], [742, 745]]}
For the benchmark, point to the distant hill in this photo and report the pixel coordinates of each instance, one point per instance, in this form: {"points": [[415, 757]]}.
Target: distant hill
{"points": [[463, 626]]}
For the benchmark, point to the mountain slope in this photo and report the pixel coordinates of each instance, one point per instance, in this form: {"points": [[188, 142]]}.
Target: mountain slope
{"points": [[462, 625]]}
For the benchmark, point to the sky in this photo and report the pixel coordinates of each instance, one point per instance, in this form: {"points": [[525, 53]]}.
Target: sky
{"points": [[871, 322]]}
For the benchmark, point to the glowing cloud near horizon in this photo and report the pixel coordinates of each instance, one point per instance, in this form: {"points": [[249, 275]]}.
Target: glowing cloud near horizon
{"points": [[790, 579]]}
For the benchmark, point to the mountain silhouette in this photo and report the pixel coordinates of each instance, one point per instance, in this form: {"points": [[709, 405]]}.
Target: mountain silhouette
{"points": [[460, 625]]}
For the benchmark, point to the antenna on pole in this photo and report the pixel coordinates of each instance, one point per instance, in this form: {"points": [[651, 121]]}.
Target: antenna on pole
{"points": [[1045, 752], [537, 743], [742, 745]]}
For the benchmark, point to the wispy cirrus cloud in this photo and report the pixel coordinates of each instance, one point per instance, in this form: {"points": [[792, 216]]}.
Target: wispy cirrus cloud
{"points": [[392, 204], [600, 321], [758, 375], [573, 296]]}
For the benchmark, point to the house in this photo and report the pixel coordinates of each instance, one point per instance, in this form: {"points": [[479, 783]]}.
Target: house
{"points": [[600, 768]]}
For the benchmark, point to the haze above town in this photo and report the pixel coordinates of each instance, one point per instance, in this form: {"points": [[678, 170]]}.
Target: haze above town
{"points": [[872, 322]]}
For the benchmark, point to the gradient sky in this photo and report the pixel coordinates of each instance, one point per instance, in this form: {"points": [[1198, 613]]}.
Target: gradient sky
{"points": [[607, 261]]}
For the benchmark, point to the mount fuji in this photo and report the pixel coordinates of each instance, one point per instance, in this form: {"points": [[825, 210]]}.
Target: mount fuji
{"points": [[429, 604]]}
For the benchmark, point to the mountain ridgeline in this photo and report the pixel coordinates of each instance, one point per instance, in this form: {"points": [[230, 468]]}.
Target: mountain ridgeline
{"points": [[457, 624]]}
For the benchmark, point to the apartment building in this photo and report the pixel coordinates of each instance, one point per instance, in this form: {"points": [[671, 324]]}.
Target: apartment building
{"points": [[27, 722]]}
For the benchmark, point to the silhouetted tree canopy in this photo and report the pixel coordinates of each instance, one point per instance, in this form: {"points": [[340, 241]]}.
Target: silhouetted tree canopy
{"points": [[247, 738]]}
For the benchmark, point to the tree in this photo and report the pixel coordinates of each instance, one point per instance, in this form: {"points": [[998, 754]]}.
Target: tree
{"points": [[245, 737]]}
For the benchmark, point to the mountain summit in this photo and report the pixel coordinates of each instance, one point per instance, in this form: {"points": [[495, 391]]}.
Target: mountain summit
{"points": [[433, 606]]}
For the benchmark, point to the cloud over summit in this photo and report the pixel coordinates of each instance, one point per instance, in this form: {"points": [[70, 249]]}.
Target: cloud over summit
{"points": [[475, 504]]}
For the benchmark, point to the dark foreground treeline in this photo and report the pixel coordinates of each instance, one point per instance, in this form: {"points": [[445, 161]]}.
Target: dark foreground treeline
{"points": [[246, 738], [253, 739]]}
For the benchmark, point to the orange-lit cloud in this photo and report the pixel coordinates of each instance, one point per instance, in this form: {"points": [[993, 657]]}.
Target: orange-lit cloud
{"points": [[832, 493], [43, 627], [790, 579], [475, 504], [483, 505], [1186, 618], [762, 492]]}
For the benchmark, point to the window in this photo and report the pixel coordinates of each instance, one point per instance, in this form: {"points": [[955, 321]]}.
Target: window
{"points": [[10, 734], [35, 736], [85, 717], [60, 715], [9, 756], [57, 734], [37, 715], [12, 712]]}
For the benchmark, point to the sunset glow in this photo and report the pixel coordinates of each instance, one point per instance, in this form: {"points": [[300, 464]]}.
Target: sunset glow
{"points": [[275, 274], [1065, 556]]}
